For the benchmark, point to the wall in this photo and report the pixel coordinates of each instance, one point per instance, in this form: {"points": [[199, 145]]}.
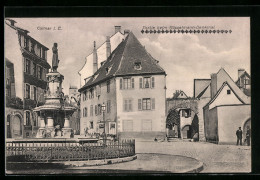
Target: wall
{"points": [[224, 98], [13, 53], [201, 103], [156, 116], [211, 124], [229, 119], [104, 97]]}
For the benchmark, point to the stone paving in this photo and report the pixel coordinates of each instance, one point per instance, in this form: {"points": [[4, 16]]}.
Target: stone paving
{"points": [[216, 158]]}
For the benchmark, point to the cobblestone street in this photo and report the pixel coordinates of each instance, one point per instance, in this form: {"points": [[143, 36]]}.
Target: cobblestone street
{"points": [[216, 158]]}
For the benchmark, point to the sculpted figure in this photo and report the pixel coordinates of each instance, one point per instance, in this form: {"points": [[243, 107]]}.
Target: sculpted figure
{"points": [[55, 59]]}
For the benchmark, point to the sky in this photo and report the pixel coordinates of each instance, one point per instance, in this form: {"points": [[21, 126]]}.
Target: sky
{"points": [[184, 57]]}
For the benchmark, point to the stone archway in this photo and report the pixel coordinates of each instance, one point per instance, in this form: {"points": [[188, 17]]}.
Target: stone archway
{"points": [[173, 123], [245, 125], [16, 126]]}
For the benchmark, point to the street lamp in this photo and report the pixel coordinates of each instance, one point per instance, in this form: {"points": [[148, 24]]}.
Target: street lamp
{"points": [[103, 107]]}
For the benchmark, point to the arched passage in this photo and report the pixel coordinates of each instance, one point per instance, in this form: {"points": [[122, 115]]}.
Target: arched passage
{"points": [[16, 126], [173, 123], [246, 124]]}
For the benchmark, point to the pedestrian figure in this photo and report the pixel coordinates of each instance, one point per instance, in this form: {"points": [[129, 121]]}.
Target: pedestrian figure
{"points": [[86, 131], [239, 136], [248, 135]]}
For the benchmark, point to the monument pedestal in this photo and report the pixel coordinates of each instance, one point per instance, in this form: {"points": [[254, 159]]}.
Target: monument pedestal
{"points": [[66, 132]]}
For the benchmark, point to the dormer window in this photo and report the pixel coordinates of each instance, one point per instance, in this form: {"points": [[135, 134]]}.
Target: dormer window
{"points": [[137, 66], [108, 69]]}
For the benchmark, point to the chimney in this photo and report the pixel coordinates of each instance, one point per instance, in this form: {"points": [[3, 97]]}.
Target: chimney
{"points": [[240, 72], [95, 58], [117, 29], [108, 46], [126, 32], [213, 89]]}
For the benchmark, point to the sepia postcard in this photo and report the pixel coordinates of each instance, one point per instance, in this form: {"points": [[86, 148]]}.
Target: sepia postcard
{"points": [[121, 95]]}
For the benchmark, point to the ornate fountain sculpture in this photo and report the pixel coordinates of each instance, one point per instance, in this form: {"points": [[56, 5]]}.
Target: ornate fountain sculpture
{"points": [[55, 112]]}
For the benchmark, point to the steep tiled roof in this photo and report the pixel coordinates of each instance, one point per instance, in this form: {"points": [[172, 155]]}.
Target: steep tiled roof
{"points": [[199, 86], [121, 62]]}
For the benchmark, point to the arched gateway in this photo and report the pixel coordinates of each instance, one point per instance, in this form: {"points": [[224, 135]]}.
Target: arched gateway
{"points": [[182, 119]]}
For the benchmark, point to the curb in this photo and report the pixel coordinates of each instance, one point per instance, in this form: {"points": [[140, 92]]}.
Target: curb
{"points": [[72, 164]]}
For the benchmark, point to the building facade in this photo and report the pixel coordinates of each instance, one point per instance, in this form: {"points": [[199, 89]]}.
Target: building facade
{"points": [[228, 108], [131, 85], [26, 67]]}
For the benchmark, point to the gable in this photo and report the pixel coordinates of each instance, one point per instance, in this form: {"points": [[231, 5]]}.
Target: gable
{"points": [[222, 76], [223, 98]]}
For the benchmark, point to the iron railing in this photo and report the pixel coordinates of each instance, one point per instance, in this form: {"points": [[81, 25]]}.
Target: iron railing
{"points": [[33, 152]]}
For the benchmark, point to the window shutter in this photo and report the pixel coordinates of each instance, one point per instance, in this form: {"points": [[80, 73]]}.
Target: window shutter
{"points": [[139, 104], [121, 83], [153, 103], [31, 92], [153, 83], [24, 90], [130, 105], [24, 64], [86, 112], [83, 112], [140, 83], [24, 118], [133, 83]]}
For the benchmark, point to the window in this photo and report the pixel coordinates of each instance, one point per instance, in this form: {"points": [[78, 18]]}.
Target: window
{"points": [[7, 81], [91, 93], [43, 54], [133, 83], [127, 83], [147, 82], [27, 114], [91, 110], [186, 113], [84, 95], [35, 93], [32, 47], [108, 86], [127, 105], [228, 91], [247, 82], [27, 66], [27, 91], [40, 50], [39, 75], [99, 109], [140, 83], [146, 104], [91, 125], [137, 66], [34, 72], [25, 43], [96, 110], [86, 112], [108, 106]]}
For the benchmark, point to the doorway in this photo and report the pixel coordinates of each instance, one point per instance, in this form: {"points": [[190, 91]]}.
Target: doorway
{"points": [[186, 132], [16, 127]]}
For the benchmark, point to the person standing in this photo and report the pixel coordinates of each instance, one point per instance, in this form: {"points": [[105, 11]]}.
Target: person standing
{"points": [[248, 135], [239, 136]]}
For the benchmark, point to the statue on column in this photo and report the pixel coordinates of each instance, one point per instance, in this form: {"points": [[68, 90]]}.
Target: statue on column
{"points": [[55, 59]]}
